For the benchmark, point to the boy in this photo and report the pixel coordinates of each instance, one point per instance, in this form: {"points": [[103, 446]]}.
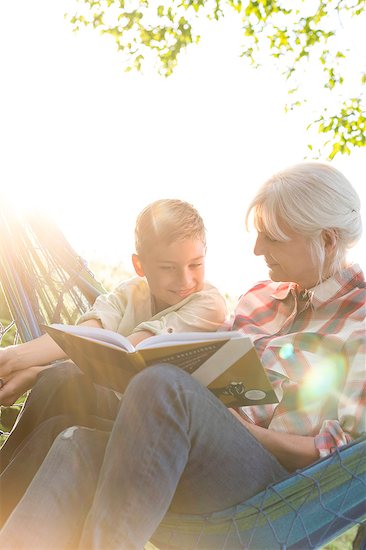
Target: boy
{"points": [[169, 294]]}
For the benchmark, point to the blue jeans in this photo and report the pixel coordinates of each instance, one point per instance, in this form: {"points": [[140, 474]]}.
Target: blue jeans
{"points": [[173, 446], [60, 390], [16, 477]]}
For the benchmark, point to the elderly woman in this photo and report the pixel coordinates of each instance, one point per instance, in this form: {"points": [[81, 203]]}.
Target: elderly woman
{"points": [[174, 445]]}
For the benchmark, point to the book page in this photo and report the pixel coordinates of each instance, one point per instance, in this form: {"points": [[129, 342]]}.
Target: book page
{"points": [[177, 338], [96, 334]]}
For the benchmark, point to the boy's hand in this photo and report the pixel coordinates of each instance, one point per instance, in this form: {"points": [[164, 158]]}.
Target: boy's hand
{"points": [[40, 351], [137, 337], [7, 361], [14, 386]]}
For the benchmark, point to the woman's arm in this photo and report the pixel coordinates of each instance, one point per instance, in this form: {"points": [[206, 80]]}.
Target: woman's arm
{"points": [[292, 451]]}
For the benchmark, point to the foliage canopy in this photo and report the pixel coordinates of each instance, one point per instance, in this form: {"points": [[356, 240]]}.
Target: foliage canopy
{"points": [[299, 35]]}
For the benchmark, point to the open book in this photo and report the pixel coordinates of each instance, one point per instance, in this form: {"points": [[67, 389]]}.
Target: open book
{"points": [[226, 362]]}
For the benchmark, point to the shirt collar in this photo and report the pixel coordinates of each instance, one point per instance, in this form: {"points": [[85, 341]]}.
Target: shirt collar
{"points": [[341, 283]]}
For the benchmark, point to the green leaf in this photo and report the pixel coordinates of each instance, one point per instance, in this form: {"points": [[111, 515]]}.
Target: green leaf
{"points": [[298, 35]]}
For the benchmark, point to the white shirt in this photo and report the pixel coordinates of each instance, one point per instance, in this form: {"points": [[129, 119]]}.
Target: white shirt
{"points": [[129, 308]]}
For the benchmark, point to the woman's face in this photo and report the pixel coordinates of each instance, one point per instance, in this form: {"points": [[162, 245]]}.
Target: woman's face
{"points": [[288, 260]]}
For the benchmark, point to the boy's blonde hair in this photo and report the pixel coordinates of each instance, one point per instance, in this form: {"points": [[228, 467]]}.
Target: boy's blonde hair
{"points": [[167, 220]]}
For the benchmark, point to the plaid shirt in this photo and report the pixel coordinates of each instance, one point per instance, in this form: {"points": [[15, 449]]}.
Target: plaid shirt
{"points": [[314, 354]]}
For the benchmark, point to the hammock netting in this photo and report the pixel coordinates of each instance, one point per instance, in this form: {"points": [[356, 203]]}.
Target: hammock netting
{"points": [[305, 510]]}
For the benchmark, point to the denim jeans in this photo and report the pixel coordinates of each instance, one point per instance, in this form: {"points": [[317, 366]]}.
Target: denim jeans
{"points": [[21, 469], [60, 390], [174, 446], [62, 396]]}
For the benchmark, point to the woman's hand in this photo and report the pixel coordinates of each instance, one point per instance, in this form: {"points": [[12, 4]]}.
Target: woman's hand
{"points": [[14, 386], [291, 450]]}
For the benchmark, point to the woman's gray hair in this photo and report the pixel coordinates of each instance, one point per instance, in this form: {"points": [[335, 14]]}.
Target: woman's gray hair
{"points": [[310, 197]]}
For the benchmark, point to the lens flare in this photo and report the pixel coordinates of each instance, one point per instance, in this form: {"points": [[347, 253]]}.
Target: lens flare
{"points": [[286, 351], [322, 380]]}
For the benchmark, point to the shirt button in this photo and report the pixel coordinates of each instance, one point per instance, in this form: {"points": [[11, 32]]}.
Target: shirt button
{"points": [[169, 330]]}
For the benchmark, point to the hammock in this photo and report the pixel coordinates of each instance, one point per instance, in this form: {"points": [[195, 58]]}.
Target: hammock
{"points": [[45, 281], [42, 278], [305, 510], [42, 281]]}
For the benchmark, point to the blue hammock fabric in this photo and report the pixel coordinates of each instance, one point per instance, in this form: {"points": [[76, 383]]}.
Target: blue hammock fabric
{"points": [[305, 510], [45, 281]]}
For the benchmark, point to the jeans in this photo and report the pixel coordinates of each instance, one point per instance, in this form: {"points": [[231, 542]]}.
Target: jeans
{"points": [[19, 472], [174, 446], [60, 390], [62, 396]]}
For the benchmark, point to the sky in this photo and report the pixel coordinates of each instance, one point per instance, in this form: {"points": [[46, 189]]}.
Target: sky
{"points": [[91, 145]]}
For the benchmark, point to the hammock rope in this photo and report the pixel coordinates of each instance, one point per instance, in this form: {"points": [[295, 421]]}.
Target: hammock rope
{"points": [[304, 511]]}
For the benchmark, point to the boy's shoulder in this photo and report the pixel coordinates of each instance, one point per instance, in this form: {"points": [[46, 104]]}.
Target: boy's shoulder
{"points": [[209, 297], [132, 282], [135, 288], [209, 291], [209, 287]]}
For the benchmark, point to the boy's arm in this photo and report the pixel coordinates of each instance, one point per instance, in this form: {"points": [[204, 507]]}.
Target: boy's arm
{"points": [[138, 337], [18, 384], [40, 351], [110, 308], [19, 363]]}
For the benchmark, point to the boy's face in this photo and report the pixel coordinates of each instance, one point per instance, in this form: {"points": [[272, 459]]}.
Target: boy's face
{"points": [[173, 271]]}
